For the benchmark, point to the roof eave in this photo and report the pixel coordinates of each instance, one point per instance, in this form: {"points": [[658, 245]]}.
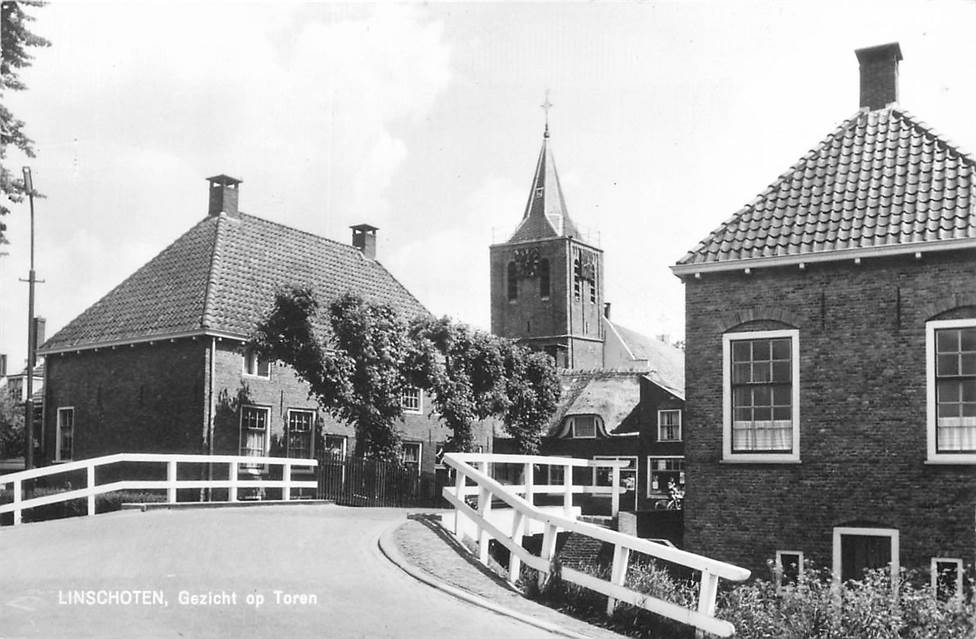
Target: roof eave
{"points": [[839, 255], [163, 337]]}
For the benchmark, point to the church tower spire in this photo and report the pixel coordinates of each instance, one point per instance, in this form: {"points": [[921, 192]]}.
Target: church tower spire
{"points": [[546, 280]]}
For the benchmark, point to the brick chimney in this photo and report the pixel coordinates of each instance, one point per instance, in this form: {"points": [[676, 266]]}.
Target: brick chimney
{"points": [[879, 75], [364, 238], [223, 195], [3, 365]]}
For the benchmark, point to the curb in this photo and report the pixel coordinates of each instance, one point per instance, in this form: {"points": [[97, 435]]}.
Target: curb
{"points": [[389, 549], [206, 505]]}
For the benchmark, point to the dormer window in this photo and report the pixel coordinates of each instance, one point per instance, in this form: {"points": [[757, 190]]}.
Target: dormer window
{"points": [[256, 365], [582, 427]]}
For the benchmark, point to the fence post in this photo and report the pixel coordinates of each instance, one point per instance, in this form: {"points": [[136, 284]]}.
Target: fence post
{"points": [[171, 482], [459, 484], [232, 475], [568, 490], [618, 573], [91, 485], [529, 481], [548, 551], [286, 491], [706, 597], [484, 509], [18, 497], [514, 562], [615, 495]]}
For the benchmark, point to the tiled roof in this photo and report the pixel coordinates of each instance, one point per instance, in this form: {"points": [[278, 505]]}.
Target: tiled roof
{"points": [[665, 363], [220, 277], [882, 181], [545, 211]]}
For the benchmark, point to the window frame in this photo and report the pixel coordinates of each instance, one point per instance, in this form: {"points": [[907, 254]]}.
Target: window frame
{"points": [[793, 456], [931, 430], [311, 432], [633, 459], [420, 454], [778, 568], [840, 531], [343, 449], [660, 436], [58, 452], [661, 493], [572, 427], [420, 401], [933, 570], [249, 356], [267, 429]]}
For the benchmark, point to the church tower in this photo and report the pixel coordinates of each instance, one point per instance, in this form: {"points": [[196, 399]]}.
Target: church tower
{"points": [[546, 280]]}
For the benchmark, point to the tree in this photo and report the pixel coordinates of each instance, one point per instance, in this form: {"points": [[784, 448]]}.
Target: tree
{"points": [[356, 372], [371, 355], [11, 426], [15, 40]]}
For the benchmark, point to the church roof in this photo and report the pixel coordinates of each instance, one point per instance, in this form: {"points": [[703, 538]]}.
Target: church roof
{"points": [[220, 278], [545, 212], [881, 182]]}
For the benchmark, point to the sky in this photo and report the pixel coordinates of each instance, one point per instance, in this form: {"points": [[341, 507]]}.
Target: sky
{"points": [[425, 121]]}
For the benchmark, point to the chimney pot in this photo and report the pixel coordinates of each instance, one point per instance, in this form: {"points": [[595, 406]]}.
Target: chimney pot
{"points": [[39, 325], [224, 191], [879, 74], [3, 365], [364, 238], [606, 310]]}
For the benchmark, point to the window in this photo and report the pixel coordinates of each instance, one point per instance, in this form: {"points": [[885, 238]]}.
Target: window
{"points": [[946, 577], [951, 390], [256, 365], [789, 567], [761, 415], [65, 443], [254, 430], [592, 283], [577, 279], [335, 446], [512, 282], [663, 472], [544, 279], [669, 425], [410, 456], [582, 427], [300, 428], [411, 400], [859, 549]]}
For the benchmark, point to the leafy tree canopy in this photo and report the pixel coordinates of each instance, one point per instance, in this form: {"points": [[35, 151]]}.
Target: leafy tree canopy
{"points": [[11, 426], [371, 355], [16, 39]]}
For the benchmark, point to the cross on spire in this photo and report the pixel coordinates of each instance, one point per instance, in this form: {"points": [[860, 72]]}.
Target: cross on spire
{"points": [[545, 107]]}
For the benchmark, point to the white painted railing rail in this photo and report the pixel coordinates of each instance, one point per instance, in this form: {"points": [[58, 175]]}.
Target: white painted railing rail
{"points": [[476, 468], [171, 484]]}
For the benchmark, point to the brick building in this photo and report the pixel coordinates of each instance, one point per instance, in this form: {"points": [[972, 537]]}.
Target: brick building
{"points": [[831, 348], [162, 363]]}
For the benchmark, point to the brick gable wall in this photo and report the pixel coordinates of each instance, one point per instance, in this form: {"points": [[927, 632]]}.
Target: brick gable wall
{"points": [[862, 412]]}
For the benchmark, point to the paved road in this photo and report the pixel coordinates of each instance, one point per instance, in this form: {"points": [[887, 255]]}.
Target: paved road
{"points": [[323, 561]]}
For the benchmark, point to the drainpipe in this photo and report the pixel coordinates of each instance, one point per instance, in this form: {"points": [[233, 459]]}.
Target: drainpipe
{"points": [[211, 409]]}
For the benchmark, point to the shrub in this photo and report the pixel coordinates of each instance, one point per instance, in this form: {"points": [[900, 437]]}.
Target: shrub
{"points": [[107, 502]]}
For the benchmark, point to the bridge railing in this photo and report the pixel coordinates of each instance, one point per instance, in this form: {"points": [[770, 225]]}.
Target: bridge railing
{"points": [[476, 469], [233, 484]]}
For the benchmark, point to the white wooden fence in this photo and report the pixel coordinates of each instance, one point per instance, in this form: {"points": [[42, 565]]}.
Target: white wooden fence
{"points": [[234, 483], [476, 469]]}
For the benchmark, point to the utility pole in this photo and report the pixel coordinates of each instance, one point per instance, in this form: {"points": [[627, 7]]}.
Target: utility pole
{"points": [[31, 335]]}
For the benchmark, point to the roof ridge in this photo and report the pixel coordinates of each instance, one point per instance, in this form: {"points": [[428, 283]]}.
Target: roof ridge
{"points": [[349, 247], [209, 299], [837, 130]]}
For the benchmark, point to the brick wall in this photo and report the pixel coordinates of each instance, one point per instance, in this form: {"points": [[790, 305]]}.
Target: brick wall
{"points": [[145, 398], [862, 411]]}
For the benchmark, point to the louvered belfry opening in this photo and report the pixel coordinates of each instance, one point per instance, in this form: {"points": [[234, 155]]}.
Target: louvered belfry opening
{"points": [[879, 75]]}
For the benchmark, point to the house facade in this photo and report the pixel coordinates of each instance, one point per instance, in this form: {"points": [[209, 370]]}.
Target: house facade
{"points": [[831, 340], [163, 363]]}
